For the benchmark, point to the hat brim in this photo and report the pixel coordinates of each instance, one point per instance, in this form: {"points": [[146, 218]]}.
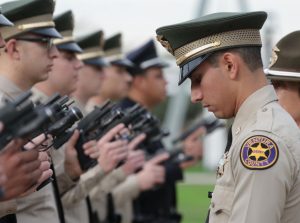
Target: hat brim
{"points": [[99, 62], [70, 46], [4, 21], [160, 65], [49, 32], [187, 69], [123, 62], [155, 62], [282, 75]]}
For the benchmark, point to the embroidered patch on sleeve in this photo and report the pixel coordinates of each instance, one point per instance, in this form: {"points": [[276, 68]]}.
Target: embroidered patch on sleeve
{"points": [[259, 152]]}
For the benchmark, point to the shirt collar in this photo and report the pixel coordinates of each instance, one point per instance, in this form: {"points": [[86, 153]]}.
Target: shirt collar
{"points": [[249, 107], [9, 89]]}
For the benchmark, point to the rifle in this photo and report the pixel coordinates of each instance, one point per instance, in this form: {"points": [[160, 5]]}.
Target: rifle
{"points": [[88, 128], [23, 119], [209, 124]]}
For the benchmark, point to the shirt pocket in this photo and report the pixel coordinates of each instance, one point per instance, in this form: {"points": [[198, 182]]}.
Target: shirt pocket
{"points": [[221, 204]]}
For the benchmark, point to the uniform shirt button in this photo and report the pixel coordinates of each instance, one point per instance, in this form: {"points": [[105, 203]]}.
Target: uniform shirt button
{"points": [[264, 109]]}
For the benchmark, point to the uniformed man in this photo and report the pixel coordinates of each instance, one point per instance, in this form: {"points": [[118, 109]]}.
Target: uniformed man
{"points": [[148, 88], [92, 74], [14, 178], [29, 40], [69, 65], [114, 86], [45, 205], [258, 177], [116, 81], [90, 80], [77, 208], [284, 73]]}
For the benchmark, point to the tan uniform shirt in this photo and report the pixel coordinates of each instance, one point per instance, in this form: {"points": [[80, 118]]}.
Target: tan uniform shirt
{"points": [[98, 194], [75, 206], [63, 180], [123, 195], [258, 180], [124, 192], [39, 206], [72, 193], [8, 90]]}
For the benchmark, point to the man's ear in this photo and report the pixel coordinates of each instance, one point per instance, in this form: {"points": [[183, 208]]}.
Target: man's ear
{"points": [[12, 49], [230, 64]]}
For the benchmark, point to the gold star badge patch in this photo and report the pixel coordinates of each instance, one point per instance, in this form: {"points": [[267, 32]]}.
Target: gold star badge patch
{"points": [[259, 152]]}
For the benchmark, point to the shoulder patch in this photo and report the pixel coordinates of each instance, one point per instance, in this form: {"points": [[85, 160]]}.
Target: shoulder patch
{"points": [[259, 152]]}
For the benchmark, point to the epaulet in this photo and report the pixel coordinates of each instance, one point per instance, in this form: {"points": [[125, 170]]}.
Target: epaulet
{"points": [[264, 119]]}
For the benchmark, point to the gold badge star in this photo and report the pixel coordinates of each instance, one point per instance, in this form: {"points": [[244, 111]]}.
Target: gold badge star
{"points": [[258, 152]]}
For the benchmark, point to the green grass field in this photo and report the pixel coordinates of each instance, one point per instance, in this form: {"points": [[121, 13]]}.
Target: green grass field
{"points": [[193, 202]]}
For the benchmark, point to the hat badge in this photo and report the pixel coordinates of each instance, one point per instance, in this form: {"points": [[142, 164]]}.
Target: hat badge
{"points": [[274, 56], [165, 43]]}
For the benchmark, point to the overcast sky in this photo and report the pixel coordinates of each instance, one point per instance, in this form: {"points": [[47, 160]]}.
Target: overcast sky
{"points": [[138, 19]]}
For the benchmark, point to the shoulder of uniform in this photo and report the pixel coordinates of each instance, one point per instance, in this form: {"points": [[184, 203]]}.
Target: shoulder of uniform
{"points": [[37, 95], [264, 119], [274, 120]]}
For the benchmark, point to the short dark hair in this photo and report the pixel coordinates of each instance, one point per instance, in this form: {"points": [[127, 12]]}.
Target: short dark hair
{"points": [[285, 84], [250, 55]]}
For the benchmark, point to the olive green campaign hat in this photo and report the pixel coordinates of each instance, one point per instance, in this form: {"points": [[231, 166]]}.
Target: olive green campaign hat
{"points": [[3, 20], [192, 42], [92, 46], [113, 51], [285, 60], [64, 24], [29, 16]]}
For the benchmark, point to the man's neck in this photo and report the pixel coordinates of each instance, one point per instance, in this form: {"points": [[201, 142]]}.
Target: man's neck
{"points": [[138, 97], [249, 85], [97, 100], [82, 98], [45, 88]]}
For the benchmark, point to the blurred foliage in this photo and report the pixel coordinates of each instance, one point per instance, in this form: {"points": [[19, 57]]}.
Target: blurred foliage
{"points": [[193, 202], [160, 110], [194, 111]]}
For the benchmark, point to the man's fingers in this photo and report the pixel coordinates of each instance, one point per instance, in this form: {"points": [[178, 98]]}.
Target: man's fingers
{"points": [[136, 141], [114, 145], [45, 165], [13, 146], [31, 155], [159, 158], [111, 134], [89, 144], [73, 140], [35, 141], [45, 175], [43, 156], [199, 132]]}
